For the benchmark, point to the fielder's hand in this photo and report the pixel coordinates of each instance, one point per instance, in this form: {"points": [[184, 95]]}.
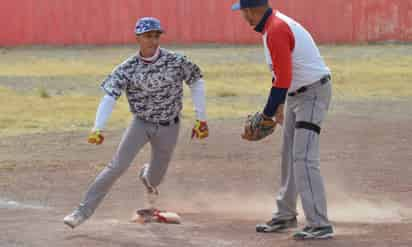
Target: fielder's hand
{"points": [[96, 137], [200, 130], [257, 127]]}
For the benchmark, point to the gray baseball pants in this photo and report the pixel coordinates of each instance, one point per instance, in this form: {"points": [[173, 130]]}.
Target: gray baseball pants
{"points": [[301, 175], [163, 141]]}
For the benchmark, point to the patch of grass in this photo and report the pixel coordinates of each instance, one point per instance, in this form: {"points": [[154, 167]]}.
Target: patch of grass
{"points": [[224, 94], [370, 72], [28, 113], [8, 165], [42, 92], [237, 82]]}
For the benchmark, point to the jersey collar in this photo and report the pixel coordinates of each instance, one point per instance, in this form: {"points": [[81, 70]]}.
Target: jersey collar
{"points": [[152, 59], [260, 27]]}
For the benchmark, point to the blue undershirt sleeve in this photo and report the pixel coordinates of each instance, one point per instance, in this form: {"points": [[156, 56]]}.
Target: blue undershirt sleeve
{"points": [[277, 97]]}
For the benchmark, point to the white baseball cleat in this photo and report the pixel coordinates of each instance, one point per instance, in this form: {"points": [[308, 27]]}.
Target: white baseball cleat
{"points": [[74, 219]]}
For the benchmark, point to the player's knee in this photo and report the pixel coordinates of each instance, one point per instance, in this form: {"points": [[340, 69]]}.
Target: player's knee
{"points": [[308, 126], [301, 162], [115, 168]]}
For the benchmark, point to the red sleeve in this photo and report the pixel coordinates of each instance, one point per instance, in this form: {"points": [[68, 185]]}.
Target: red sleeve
{"points": [[281, 42]]}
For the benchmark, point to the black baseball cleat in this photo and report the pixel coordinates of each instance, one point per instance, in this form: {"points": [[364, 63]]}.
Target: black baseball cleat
{"points": [[324, 232], [277, 225]]}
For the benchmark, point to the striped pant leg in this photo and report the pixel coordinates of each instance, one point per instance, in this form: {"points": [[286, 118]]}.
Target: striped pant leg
{"points": [[311, 108]]}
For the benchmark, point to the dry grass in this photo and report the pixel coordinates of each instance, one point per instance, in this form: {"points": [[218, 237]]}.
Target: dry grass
{"points": [[45, 89]]}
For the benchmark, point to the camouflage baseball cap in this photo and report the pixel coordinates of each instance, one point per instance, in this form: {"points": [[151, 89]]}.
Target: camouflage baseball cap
{"points": [[147, 24]]}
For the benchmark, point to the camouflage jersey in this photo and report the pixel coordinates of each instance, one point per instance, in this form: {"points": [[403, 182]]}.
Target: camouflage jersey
{"points": [[154, 90]]}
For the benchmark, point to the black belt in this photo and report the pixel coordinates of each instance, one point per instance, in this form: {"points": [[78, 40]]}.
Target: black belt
{"points": [[303, 89], [168, 123]]}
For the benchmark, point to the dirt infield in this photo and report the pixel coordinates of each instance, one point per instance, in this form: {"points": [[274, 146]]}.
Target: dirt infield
{"points": [[222, 187]]}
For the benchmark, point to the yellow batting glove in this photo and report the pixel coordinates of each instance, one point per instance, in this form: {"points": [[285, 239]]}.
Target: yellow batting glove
{"points": [[200, 130], [96, 137]]}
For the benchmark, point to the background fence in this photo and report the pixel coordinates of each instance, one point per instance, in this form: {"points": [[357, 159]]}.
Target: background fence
{"points": [[196, 21]]}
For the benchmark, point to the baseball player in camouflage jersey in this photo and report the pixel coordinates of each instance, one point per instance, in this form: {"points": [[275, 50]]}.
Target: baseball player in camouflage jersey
{"points": [[153, 82], [302, 82]]}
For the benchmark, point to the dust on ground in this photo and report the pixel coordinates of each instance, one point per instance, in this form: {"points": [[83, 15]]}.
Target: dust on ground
{"points": [[221, 187]]}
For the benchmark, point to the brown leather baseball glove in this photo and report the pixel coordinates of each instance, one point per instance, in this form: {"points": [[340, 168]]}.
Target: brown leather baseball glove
{"points": [[257, 127]]}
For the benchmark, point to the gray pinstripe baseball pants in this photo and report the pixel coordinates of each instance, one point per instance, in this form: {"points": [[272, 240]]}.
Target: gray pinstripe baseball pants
{"points": [[300, 163], [163, 140]]}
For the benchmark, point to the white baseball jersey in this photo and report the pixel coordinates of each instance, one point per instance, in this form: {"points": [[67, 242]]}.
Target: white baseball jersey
{"points": [[291, 53]]}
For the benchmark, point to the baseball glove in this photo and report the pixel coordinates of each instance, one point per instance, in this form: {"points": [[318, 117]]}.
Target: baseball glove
{"points": [[257, 127], [96, 137], [200, 130]]}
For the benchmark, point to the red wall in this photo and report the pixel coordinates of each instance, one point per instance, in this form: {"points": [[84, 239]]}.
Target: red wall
{"points": [[187, 21]]}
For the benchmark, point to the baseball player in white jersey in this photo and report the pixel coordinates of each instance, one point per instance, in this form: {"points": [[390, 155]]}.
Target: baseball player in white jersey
{"points": [[153, 82], [302, 82]]}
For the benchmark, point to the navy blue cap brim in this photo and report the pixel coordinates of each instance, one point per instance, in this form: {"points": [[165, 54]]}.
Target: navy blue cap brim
{"points": [[236, 6]]}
